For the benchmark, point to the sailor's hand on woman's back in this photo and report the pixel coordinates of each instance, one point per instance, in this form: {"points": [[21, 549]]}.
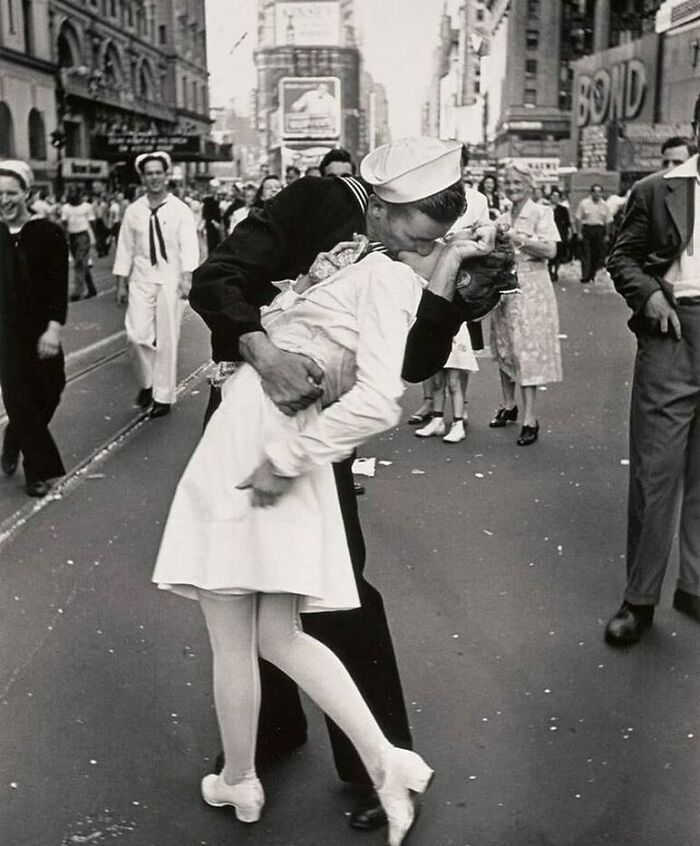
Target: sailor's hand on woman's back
{"points": [[292, 381]]}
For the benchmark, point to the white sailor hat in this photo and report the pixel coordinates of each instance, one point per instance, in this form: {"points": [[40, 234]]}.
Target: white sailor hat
{"points": [[156, 154], [19, 169], [411, 169]]}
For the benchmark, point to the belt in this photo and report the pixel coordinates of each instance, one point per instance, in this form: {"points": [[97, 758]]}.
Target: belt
{"points": [[688, 300], [220, 371]]}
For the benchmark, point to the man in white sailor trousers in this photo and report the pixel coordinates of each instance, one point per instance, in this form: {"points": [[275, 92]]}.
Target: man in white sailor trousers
{"points": [[156, 254]]}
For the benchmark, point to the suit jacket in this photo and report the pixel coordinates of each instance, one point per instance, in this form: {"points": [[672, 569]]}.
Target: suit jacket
{"points": [[311, 215], [655, 229]]}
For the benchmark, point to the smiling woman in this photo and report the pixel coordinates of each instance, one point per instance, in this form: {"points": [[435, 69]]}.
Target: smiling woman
{"points": [[33, 300]]}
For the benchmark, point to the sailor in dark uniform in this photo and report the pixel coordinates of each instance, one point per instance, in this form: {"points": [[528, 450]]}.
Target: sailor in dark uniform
{"points": [[412, 201]]}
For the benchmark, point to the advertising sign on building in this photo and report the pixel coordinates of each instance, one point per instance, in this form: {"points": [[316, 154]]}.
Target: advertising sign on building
{"points": [[544, 169], [86, 169], [117, 146], [616, 86], [309, 24], [310, 107]]}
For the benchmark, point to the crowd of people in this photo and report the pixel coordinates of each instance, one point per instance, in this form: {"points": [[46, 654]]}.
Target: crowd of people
{"points": [[323, 297]]}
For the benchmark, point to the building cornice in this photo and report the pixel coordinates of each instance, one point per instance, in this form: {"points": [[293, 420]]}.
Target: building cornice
{"points": [[188, 113], [26, 61]]}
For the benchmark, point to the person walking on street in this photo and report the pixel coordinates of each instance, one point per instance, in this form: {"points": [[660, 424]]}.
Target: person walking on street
{"points": [[593, 221], [156, 253], [525, 328], [77, 216], [33, 305], [283, 239], [562, 219], [469, 338], [655, 265]]}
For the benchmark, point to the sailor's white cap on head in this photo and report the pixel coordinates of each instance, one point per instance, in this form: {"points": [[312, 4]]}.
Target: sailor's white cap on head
{"points": [[412, 169], [19, 169], [156, 154]]}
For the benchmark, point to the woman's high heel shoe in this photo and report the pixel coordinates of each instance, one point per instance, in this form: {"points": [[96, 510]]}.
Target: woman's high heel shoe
{"points": [[406, 777], [247, 797], [504, 416], [528, 435]]}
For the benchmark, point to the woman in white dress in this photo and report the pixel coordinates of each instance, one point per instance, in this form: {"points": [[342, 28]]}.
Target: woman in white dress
{"points": [[525, 328], [253, 568]]}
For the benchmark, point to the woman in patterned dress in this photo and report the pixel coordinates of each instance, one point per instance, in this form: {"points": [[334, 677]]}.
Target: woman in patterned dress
{"points": [[525, 328]]}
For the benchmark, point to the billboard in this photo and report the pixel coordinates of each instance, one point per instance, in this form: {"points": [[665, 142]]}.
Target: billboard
{"points": [[120, 145], [618, 85], [309, 24], [310, 107]]}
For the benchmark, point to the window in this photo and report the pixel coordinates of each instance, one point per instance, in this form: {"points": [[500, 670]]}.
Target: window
{"points": [[28, 24], [533, 10], [11, 16], [37, 135], [530, 68], [74, 147], [195, 103], [129, 15], [532, 39], [480, 15], [7, 131], [162, 34], [185, 92], [113, 8], [530, 97]]}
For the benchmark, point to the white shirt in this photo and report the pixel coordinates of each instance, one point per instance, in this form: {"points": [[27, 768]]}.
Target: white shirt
{"points": [[477, 213], [684, 273], [237, 217], [41, 208], [535, 221], [133, 256], [77, 218], [354, 325]]}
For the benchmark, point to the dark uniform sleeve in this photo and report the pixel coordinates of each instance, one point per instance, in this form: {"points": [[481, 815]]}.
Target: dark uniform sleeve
{"points": [[630, 250], [234, 282], [430, 340], [55, 250]]}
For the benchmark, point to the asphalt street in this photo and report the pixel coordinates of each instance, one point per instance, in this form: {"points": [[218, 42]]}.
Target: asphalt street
{"points": [[499, 566]]}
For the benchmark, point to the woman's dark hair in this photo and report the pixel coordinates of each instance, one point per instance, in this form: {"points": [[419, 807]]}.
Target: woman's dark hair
{"points": [[258, 201], [445, 206], [480, 187], [338, 155]]}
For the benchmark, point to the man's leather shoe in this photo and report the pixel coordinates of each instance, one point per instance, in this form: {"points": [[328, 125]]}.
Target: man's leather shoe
{"points": [[368, 814], [359, 489], [159, 409], [144, 398], [9, 464], [629, 624], [38, 488], [687, 603]]}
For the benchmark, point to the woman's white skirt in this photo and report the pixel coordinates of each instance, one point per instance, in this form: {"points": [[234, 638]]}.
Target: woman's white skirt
{"points": [[462, 354], [216, 541]]}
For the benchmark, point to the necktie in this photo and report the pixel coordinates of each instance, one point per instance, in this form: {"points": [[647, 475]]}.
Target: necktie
{"points": [[154, 231]]}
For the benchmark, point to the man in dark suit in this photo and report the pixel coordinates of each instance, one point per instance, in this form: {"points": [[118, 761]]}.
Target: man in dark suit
{"points": [[655, 265]]}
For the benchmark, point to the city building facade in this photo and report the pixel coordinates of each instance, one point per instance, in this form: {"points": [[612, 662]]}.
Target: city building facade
{"points": [[310, 93], [454, 105], [27, 85], [638, 89], [101, 80]]}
